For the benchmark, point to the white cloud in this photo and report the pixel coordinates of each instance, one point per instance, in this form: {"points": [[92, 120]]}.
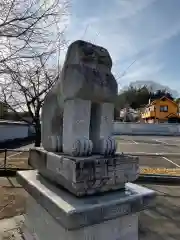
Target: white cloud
{"points": [[127, 8], [142, 71], [145, 68]]}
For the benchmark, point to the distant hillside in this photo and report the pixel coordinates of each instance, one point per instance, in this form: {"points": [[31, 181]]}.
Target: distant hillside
{"points": [[153, 86]]}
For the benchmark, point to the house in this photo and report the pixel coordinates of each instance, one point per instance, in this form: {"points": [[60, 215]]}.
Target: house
{"points": [[128, 115], [161, 110]]}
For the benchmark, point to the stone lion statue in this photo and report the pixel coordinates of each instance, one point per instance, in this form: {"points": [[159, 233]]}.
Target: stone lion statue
{"points": [[77, 115]]}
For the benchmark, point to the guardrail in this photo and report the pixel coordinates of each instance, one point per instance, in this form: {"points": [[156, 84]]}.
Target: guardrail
{"points": [[161, 129]]}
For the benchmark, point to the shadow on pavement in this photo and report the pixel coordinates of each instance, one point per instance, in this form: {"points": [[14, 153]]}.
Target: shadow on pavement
{"points": [[16, 143]]}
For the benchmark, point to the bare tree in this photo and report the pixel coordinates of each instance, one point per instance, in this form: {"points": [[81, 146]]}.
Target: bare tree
{"points": [[24, 88], [29, 28], [31, 39]]}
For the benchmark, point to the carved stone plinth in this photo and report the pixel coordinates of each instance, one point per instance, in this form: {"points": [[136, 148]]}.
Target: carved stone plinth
{"points": [[85, 176]]}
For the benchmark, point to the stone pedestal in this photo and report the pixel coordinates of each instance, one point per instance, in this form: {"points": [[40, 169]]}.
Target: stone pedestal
{"points": [[81, 188], [53, 213], [85, 175]]}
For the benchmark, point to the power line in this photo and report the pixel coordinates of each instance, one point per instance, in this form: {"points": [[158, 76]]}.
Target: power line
{"points": [[85, 31], [123, 74]]}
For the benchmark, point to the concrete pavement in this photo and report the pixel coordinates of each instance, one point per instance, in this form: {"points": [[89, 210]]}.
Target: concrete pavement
{"points": [[11, 228], [161, 221], [153, 151]]}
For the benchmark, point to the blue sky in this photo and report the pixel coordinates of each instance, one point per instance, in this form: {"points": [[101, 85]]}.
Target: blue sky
{"points": [[147, 31]]}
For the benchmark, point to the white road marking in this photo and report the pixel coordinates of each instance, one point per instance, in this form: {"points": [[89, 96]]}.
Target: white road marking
{"points": [[8, 157], [14, 159], [171, 162], [122, 143], [166, 139], [161, 154], [17, 153], [154, 154], [134, 142], [14, 154], [167, 159], [157, 140], [170, 139], [140, 143]]}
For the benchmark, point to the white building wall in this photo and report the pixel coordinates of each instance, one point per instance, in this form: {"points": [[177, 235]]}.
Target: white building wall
{"points": [[10, 131]]}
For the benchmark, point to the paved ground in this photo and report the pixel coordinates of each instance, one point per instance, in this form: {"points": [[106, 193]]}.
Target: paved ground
{"points": [[137, 145], [161, 222], [10, 229], [141, 145], [16, 158], [12, 197], [12, 203]]}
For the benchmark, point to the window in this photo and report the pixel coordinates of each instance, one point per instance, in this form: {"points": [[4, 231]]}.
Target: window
{"points": [[163, 108]]}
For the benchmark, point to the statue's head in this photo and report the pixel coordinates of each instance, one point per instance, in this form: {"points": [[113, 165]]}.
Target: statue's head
{"points": [[81, 52]]}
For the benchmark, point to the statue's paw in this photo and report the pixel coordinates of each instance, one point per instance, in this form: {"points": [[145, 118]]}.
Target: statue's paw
{"points": [[55, 143], [82, 147], [108, 146]]}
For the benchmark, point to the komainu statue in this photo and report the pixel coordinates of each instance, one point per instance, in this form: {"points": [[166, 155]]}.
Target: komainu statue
{"points": [[77, 115]]}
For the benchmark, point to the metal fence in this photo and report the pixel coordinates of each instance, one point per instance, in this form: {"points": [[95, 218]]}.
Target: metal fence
{"points": [[14, 159]]}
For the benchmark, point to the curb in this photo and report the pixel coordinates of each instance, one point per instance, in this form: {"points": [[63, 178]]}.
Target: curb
{"points": [[150, 154], [146, 134], [157, 178]]}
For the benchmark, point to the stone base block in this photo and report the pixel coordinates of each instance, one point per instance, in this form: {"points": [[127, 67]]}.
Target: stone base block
{"points": [[88, 175], [40, 225], [53, 213]]}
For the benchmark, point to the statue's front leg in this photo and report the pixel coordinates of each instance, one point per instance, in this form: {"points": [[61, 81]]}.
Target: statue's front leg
{"points": [[76, 123], [55, 143], [103, 141], [51, 127]]}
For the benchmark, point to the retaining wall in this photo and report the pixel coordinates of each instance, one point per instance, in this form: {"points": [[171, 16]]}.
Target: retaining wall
{"points": [[10, 130], [162, 129]]}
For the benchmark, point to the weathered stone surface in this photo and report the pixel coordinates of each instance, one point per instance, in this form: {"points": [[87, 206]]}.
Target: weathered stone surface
{"points": [[85, 176], [77, 115], [78, 155], [42, 226], [75, 213]]}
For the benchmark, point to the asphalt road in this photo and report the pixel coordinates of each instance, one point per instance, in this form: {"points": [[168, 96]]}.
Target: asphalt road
{"points": [[143, 145], [136, 145]]}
